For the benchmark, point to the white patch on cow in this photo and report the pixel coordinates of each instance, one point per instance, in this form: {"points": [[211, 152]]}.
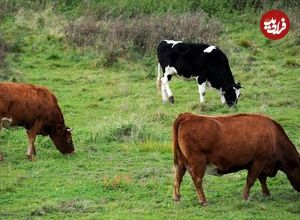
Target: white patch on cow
{"points": [[201, 88], [237, 92], [159, 71], [209, 49], [212, 169], [165, 88], [5, 122], [173, 42], [164, 94], [170, 70], [223, 101], [159, 83]]}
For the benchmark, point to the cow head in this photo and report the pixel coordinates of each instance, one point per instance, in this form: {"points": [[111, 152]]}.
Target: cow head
{"points": [[62, 139], [232, 94], [294, 178], [294, 175]]}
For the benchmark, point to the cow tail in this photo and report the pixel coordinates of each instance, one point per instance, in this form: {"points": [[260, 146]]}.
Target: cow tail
{"points": [[175, 139], [176, 148], [158, 81]]}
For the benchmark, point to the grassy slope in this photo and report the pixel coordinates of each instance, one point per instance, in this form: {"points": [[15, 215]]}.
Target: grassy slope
{"points": [[133, 178]]}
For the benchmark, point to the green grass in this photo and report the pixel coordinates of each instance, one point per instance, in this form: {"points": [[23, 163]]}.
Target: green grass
{"points": [[122, 132]]}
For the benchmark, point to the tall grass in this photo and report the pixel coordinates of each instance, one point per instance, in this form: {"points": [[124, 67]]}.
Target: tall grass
{"points": [[4, 47], [130, 8], [141, 34], [5, 70]]}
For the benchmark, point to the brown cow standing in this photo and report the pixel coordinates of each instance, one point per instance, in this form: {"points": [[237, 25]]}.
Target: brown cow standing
{"points": [[226, 144], [35, 108]]}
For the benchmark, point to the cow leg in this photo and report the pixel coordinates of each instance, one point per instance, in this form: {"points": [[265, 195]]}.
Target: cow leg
{"points": [[197, 174], [179, 171], [169, 92], [31, 134], [223, 101], [198, 184], [253, 174], [31, 139], [160, 84], [165, 88], [201, 88], [5, 122], [158, 80], [264, 187], [163, 91]]}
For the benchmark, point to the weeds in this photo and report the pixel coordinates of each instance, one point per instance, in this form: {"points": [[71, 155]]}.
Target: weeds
{"points": [[5, 70], [82, 32], [4, 47], [117, 37]]}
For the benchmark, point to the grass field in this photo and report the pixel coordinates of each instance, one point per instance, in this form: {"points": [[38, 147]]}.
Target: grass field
{"points": [[122, 168]]}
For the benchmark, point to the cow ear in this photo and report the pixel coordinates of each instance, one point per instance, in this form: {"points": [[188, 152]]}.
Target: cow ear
{"points": [[59, 130], [238, 85]]}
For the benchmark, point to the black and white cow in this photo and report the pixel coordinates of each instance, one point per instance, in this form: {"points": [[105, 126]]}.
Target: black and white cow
{"points": [[205, 63]]}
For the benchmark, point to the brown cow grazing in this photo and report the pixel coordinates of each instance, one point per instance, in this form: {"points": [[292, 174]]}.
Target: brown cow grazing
{"points": [[35, 108], [226, 144]]}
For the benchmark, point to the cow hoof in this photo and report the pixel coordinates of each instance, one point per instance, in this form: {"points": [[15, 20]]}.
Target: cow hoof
{"points": [[246, 197], [265, 194], [176, 198], [30, 157], [203, 203], [171, 99]]}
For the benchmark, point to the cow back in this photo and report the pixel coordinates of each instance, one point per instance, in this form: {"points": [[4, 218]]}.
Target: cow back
{"points": [[25, 103], [230, 142]]}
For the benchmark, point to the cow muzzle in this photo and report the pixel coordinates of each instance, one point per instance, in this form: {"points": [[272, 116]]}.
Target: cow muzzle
{"points": [[69, 153]]}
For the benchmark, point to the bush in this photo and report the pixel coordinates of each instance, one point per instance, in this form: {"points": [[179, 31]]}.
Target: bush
{"points": [[3, 50], [117, 36], [82, 32], [5, 73], [9, 7], [6, 70], [145, 33]]}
